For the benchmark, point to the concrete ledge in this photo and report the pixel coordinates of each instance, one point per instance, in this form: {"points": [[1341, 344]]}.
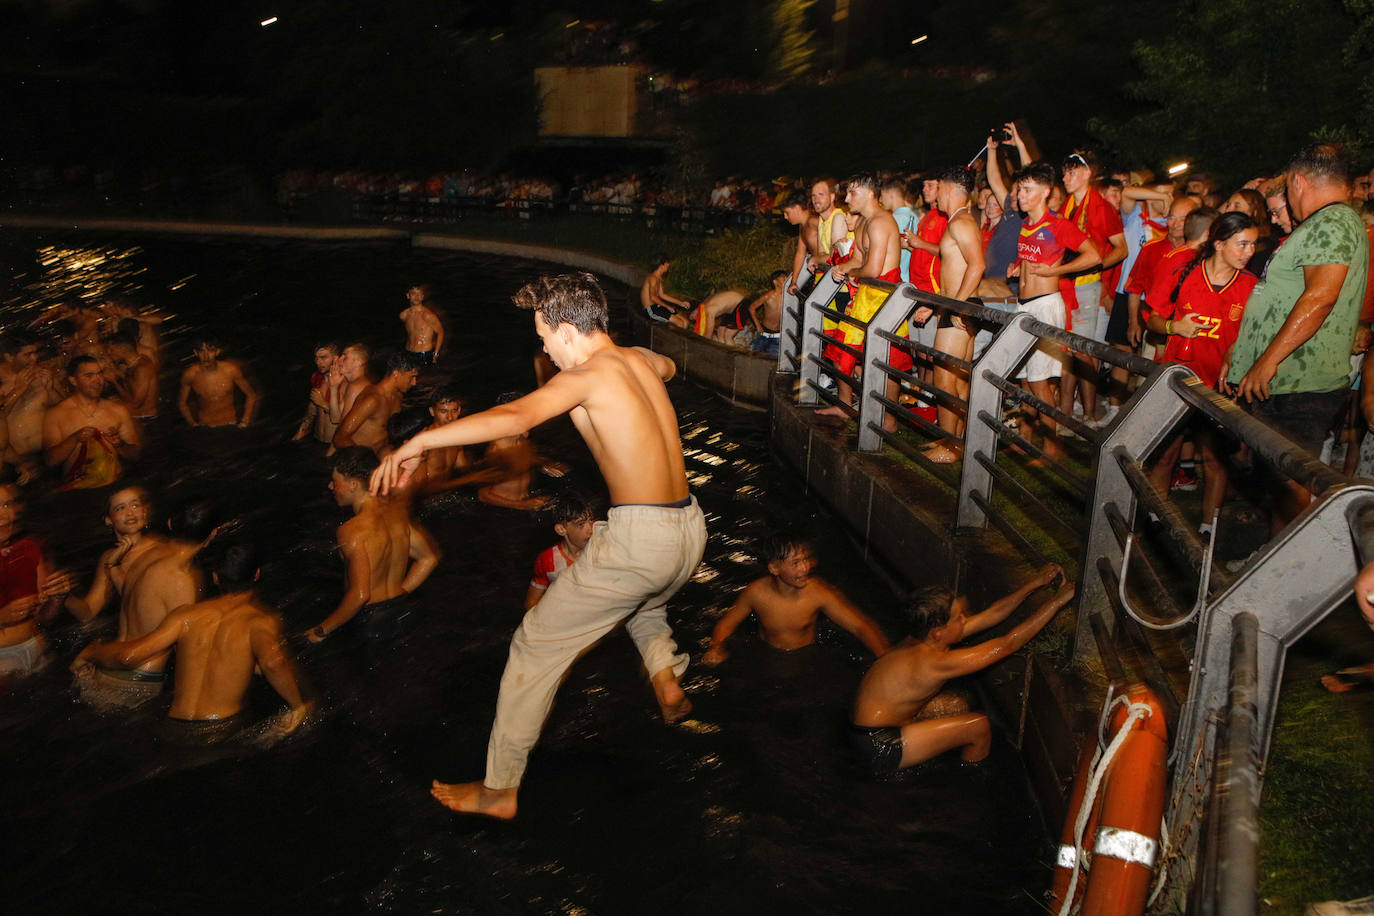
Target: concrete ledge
{"points": [[625, 273], [188, 227], [904, 523], [739, 375]]}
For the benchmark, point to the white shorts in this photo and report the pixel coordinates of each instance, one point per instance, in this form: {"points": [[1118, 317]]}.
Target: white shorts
{"points": [[1090, 318], [1046, 361]]}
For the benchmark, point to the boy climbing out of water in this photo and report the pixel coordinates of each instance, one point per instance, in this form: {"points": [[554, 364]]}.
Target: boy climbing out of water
{"points": [[574, 519], [902, 715], [788, 602]]}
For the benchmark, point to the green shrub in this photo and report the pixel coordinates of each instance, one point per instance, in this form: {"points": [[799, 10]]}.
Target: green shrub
{"points": [[733, 260]]}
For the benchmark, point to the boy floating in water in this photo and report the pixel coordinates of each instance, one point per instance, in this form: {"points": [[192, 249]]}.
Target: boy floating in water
{"points": [[573, 522], [788, 600], [637, 559], [218, 643], [901, 717]]}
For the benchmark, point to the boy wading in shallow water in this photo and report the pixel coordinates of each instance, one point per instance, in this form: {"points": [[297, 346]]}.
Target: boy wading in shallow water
{"points": [[636, 560], [902, 716]]}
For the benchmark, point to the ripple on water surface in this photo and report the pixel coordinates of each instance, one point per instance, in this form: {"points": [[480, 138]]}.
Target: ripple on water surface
{"points": [[751, 806]]}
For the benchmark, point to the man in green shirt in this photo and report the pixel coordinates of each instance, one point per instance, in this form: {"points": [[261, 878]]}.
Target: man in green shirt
{"points": [[1291, 360]]}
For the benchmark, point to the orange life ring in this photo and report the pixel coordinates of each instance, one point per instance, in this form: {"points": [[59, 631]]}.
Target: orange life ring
{"points": [[1125, 819], [1067, 859]]}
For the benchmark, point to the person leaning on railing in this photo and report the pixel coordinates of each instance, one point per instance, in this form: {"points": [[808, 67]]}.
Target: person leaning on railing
{"points": [[1291, 361]]}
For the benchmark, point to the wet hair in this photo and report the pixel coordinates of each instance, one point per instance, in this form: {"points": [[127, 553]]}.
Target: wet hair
{"points": [[1039, 172], [142, 490], [206, 340], [927, 609], [356, 462], [238, 567], [426, 290], [572, 506], [863, 180], [657, 261], [402, 361], [195, 521], [362, 348], [1223, 227], [331, 345], [1325, 162], [574, 299], [404, 424], [957, 176], [123, 337], [777, 547], [446, 393], [15, 341], [77, 362], [1197, 223], [796, 199], [777, 275], [828, 181]]}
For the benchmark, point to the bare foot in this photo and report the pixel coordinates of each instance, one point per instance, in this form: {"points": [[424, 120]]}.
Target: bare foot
{"points": [[671, 697], [833, 412], [475, 798]]}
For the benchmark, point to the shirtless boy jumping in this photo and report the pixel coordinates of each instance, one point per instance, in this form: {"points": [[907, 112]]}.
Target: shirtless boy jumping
{"points": [[901, 717], [637, 559], [788, 600]]}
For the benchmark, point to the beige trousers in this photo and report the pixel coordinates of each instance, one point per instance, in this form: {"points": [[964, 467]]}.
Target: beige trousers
{"points": [[636, 560]]}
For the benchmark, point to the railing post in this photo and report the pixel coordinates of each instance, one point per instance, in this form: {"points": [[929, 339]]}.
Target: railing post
{"points": [[1238, 778], [1001, 358], [889, 317], [787, 326], [1144, 423], [821, 294]]}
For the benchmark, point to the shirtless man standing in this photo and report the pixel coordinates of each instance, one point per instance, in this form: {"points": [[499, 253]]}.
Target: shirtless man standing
{"points": [[788, 600], [219, 643], [86, 435], [636, 561], [441, 463], [121, 572], [24, 399], [365, 422], [878, 255], [424, 330], [799, 214], [378, 544], [901, 717], [961, 269], [213, 381], [135, 376], [352, 368]]}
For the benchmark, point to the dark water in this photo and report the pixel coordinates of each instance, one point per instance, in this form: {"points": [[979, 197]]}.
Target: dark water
{"points": [[752, 806]]}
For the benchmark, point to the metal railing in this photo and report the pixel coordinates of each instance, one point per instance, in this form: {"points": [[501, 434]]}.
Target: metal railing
{"points": [[1241, 624]]}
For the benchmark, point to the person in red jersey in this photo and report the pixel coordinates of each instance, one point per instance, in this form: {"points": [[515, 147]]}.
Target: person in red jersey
{"points": [[1200, 316], [1045, 237], [1100, 221]]}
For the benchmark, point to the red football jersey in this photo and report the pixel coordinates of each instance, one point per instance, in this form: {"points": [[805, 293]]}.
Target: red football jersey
{"points": [[924, 269], [1217, 308]]}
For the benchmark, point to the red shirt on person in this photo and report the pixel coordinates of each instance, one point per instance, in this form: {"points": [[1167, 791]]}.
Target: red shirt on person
{"points": [[1217, 308], [1147, 265], [1099, 221], [924, 269], [1166, 274]]}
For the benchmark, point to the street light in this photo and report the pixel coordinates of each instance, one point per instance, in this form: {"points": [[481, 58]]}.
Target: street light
{"points": [[1178, 169], [917, 41]]}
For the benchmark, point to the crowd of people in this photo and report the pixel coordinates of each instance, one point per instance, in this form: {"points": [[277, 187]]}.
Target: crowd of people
{"points": [[1261, 290], [185, 601]]}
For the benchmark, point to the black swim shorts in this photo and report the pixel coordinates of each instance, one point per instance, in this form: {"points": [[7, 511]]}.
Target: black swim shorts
{"points": [[879, 749]]}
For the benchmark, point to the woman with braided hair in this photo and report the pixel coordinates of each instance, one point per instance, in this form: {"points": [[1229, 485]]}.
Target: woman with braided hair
{"points": [[1201, 316]]}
